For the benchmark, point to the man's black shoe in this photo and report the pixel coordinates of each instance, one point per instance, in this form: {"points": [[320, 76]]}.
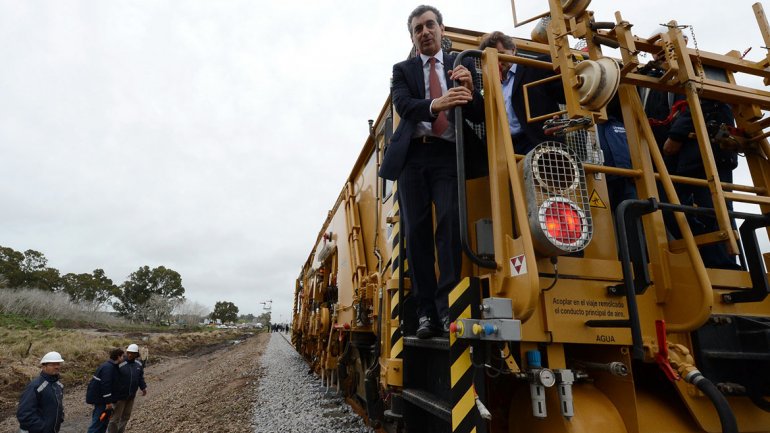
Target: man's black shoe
{"points": [[445, 325], [425, 328]]}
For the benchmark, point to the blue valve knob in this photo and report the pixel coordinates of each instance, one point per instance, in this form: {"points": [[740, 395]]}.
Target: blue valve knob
{"points": [[533, 359], [490, 329]]}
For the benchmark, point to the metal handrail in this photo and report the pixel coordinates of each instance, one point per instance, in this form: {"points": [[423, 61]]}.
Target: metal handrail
{"points": [[630, 211], [462, 199]]}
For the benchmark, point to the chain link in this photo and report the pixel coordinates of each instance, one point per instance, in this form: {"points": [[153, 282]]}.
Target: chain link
{"points": [[698, 60]]}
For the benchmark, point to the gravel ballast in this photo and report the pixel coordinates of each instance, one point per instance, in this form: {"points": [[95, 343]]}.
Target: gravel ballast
{"points": [[291, 400]]}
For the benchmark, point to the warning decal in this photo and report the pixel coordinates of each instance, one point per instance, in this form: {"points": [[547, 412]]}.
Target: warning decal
{"points": [[518, 265], [596, 201]]}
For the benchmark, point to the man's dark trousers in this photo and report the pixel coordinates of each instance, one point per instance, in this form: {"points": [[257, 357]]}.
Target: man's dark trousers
{"points": [[430, 177], [98, 426]]}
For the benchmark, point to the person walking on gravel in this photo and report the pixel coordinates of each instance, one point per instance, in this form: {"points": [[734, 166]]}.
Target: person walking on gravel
{"points": [[102, 392], [41, 407], [130, 379]]}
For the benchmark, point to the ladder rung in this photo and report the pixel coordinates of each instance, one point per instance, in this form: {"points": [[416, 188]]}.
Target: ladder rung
{"points": [[679, 245]]}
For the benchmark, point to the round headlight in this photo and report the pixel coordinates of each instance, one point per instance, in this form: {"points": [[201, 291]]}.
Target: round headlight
{"points": [[555, 169], [564, 223]]}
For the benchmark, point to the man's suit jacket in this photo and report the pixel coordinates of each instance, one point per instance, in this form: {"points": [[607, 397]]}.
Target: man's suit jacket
{"points": [[543, 99], [408, 95]]}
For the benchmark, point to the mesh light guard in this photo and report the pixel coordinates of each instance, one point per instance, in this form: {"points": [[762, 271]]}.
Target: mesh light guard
{"points": [[584, 143], [555, 186]]}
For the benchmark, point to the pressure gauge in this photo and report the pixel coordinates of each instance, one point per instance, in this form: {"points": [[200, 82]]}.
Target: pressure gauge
{"points": [[546, 378]]}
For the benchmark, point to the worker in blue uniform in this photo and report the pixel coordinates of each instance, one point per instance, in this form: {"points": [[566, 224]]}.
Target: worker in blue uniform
{"points": [[41, 406]]}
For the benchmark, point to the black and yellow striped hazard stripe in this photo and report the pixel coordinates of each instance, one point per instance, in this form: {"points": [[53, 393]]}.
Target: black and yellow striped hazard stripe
{"points": [[396, 337], [395, 244], [463, 303]]}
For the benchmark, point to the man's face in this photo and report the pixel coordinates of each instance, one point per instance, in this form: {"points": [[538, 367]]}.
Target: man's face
{"points": [[504, 66], [427, 33], [52, 368], [131, 355]]}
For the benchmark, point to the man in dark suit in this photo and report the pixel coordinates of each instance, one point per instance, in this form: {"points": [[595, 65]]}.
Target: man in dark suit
{"points": [[543, 99], [421, 156]]}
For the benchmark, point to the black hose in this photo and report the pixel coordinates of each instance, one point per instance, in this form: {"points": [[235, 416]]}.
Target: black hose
{"points": [[759, 400], [461, 192], [603, 25], [726, 415]]}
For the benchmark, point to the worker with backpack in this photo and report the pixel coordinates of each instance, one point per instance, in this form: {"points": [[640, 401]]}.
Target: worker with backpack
{"points": [[102, 393]]}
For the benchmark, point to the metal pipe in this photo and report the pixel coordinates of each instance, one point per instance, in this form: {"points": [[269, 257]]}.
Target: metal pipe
{"points": [[637, 173], [637, 350]]}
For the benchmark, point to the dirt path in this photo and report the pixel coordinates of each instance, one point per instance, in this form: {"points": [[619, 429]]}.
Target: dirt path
{"points": [[212, 392]]}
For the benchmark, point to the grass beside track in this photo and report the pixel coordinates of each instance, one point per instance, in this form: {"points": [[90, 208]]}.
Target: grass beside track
{"points": [[14, 321], [24, 341]]}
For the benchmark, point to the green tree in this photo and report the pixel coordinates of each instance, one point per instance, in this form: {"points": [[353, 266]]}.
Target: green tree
{"points": [[140, 287], [28, 269], [225, 311], [45, 279], [94, 288], [10, 267], [33, 261]]}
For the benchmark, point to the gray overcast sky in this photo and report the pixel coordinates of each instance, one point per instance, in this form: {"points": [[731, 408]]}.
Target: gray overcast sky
{"points": [[212, 137]]}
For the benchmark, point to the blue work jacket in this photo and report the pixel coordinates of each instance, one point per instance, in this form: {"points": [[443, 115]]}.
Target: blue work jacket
{"points": [[41, 407]]}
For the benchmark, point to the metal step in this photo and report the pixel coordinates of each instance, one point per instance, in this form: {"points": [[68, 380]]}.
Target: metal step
{"points": [[429, 403], [435, 343]]}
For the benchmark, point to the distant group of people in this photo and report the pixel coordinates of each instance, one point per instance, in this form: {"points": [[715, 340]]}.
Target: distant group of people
{"points": [[421, 154], [279, 327], [111, 390]]}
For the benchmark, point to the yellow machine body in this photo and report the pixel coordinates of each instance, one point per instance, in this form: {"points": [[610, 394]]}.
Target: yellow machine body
{"points": [[353, 292]]}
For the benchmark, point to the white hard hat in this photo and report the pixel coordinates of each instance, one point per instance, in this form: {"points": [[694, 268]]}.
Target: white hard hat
{"points": [[51, 357], [132, 348]]}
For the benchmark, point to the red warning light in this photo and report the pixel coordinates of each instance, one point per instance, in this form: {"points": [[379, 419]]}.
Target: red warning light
{"points": [[563, 222]]}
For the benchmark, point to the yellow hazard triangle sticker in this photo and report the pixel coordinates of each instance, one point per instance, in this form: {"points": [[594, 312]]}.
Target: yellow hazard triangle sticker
{"points": [[596, 201]]}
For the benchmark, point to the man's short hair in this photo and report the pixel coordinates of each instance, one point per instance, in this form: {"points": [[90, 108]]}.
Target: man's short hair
{"points": [[491, 40], [419, 10], [116, 353]]}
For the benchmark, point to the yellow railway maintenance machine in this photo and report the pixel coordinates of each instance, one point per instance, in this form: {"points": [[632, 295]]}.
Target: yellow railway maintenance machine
{"points": [[568, 319]]}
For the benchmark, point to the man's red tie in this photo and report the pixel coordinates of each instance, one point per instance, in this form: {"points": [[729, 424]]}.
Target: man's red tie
{"points": [[441, 123]]}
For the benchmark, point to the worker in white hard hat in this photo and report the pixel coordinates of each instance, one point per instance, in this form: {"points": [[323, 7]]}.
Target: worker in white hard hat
{"points": [[130, 380], [41, 406]]}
